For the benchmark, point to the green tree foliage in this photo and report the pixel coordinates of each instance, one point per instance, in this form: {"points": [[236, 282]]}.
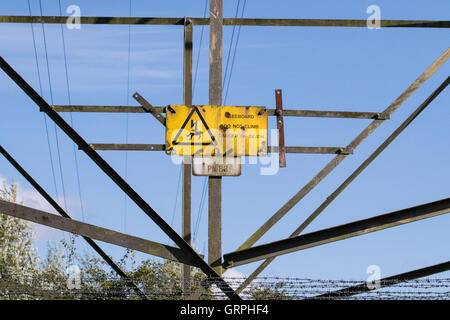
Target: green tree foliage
{"points": [[17, 255], [24, 275], [268, 293]]}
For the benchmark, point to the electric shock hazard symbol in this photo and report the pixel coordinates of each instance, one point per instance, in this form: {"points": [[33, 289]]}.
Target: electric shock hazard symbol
{"points": [[216, 130], [193, 131]]}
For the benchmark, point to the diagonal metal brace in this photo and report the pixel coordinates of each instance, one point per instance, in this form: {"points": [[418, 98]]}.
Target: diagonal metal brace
{"points": [[90, 231], [149, 108], [337, 233], [386, 282], [350, 179], [340, 157]]}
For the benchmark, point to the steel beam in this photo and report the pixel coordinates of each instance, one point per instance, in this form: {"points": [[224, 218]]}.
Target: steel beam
{"points": [[334, 23], [231, 21], [147, 107], [215, 98], [186, 192], [121, 183], [337, 233], [101, 109], [162, 147], [351, 178], [386, 282], [95, 232], [270, 112], [340, 157]]}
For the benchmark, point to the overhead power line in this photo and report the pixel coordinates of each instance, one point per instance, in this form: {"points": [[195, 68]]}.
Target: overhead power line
{"points": [[231, 44], [127, 117], [69, 98], [205, 179], [199, 50], [44, 116], [52, 102], [234, 53]]}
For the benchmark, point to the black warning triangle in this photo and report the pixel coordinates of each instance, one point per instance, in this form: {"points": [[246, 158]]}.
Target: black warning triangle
{"points": [[213, 139]]}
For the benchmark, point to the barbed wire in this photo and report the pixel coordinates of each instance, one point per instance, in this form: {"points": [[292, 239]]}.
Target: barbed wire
{"points": [[273, 288]]}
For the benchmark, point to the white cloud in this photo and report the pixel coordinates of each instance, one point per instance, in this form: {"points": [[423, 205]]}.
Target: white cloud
{"points": [[99, 55], [235, 278], [31, 198]]}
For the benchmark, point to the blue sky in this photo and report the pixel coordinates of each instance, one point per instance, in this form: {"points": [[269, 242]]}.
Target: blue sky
{"points": [[351, 69]]}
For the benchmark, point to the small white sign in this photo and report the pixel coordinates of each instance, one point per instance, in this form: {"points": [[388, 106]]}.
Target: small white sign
{"points": [[216, 166]]}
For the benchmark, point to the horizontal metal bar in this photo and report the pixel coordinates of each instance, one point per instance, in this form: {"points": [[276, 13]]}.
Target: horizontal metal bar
{"points": [[314, 150], [334, 23], [231, 21], [386, 282], [350, 179], [94, 232], [128, 147], [337, 233], [330, 166], [157, 113], [326, 114], [112, 109], [270, 112], [102, 20], [162, 147]]}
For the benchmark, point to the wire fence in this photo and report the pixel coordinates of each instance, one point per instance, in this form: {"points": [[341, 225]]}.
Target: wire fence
{"points": [[262, 288]]}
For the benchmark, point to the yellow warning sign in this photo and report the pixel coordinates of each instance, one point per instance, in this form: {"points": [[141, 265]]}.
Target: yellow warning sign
{"points": [[216, 130]]}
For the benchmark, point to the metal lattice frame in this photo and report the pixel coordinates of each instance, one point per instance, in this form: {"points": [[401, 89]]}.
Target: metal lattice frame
{"points": [[187, 255]]}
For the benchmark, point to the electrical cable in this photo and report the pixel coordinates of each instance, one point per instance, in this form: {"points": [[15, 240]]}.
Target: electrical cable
{"points": [[51, 99], [44, 116], [203, 197], [199, 50], [71, 117], [127, 117], [176, 198], [234, 54], [231, 44], [200, 208]]}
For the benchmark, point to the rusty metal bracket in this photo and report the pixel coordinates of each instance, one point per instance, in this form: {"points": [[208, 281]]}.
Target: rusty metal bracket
{"points": [[340, 157], [149, 108], [280, 127]]}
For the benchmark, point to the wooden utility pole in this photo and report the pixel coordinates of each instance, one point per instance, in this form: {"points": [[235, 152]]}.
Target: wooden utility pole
{"points": [[186, 198], [215, 98]]}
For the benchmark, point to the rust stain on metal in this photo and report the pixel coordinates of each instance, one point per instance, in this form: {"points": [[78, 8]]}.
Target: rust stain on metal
{"points": [[280, 127], [213, 130]]}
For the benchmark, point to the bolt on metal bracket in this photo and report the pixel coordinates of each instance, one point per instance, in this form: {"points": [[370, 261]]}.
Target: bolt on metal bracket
{"points": [[280, 127], [149, 108]]}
